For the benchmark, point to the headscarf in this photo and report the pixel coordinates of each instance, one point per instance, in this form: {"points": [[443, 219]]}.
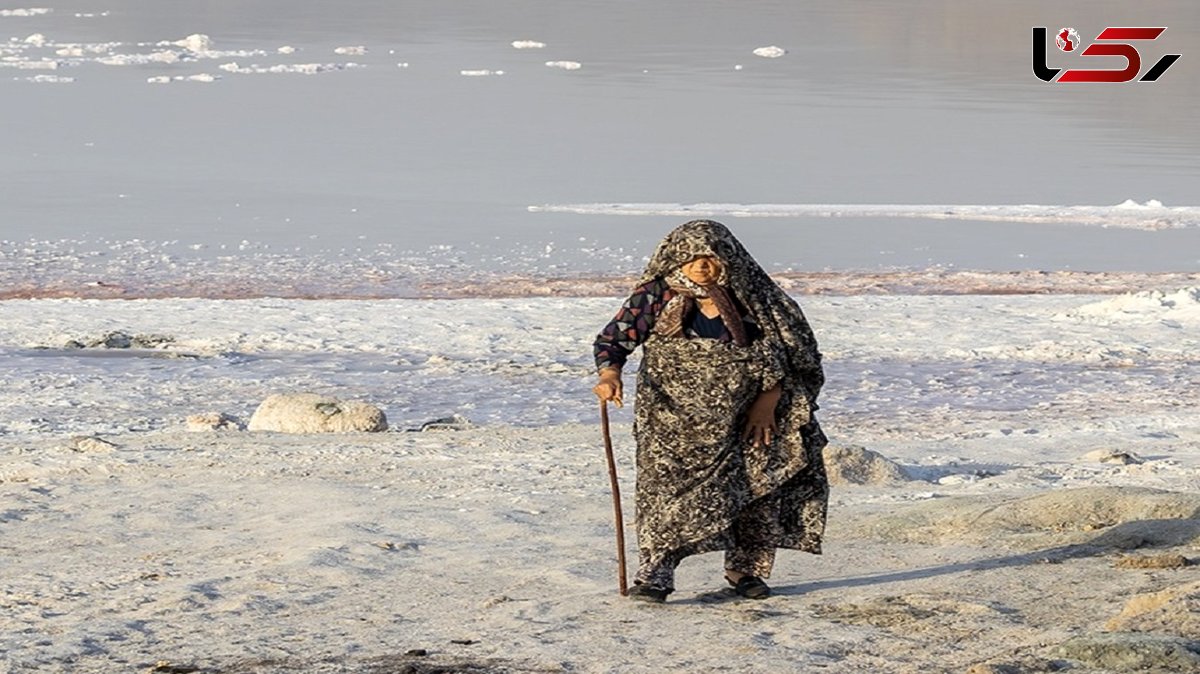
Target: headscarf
{"points": [[786, 335]]}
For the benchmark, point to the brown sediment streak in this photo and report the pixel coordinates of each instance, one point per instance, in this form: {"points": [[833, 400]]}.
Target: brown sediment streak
{"points": [[918, 282]]}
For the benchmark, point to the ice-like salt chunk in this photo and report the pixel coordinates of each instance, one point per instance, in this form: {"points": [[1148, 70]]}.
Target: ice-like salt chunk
{"points": [[565, 65], [33, 11], [771, 52], [286, 49], [36, 40], [32, 65], [528, 44], [300, 68], [358, 50], [196, 42], [50, 79], [480, 73], [166, 56]]}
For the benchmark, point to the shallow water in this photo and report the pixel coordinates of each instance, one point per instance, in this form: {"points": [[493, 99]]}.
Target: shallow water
{"points": [[902, 102]]}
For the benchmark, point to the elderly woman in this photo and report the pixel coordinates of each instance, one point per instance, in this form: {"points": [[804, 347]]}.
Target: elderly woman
{"points": [[728, 449]]}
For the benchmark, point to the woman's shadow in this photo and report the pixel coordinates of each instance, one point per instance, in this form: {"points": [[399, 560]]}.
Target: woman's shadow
{"points": [[1127, 536]]}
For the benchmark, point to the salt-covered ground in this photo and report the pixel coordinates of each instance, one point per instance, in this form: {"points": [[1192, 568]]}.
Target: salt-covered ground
{"points": [[252, 552]]}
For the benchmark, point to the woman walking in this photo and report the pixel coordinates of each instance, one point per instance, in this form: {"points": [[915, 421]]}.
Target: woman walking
{"points": [[728, 448]]}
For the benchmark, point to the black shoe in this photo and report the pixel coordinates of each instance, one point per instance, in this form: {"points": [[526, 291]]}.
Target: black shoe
{"points": [[751, 587], [654, 595]]}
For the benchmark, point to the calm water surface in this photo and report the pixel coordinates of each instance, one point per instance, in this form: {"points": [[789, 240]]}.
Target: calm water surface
{"points": [[891, 101]]}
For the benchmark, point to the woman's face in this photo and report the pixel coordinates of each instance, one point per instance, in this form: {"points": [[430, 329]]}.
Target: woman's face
{"points": [[703, 270]]}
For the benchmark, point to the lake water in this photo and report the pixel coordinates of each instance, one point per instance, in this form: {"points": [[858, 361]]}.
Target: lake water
{"points": [[402, 166]]}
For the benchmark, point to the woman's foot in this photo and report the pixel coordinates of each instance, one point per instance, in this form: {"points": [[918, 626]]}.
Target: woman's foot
{"points": [[647, 593], [750, 587]]}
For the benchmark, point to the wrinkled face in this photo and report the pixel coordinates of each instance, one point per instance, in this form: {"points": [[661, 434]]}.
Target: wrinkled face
{"points": [[703, 270]]}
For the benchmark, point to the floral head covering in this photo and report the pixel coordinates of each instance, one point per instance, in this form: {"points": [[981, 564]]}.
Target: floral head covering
{"points": [[785, 331]]}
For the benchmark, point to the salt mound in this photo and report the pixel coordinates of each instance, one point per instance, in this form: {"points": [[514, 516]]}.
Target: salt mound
{"points": [[1152, 302], [856, 465], [213, 421], [196, 42], [312, 413], [1175, 610], [1113, 456], [90, 444], [1121, 518]]}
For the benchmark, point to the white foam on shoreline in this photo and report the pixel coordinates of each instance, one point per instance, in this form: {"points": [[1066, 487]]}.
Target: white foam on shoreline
{"points": [[1151, 215]]}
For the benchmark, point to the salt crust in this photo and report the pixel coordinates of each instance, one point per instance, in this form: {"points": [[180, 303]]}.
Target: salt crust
{"points": [[301, 542]]}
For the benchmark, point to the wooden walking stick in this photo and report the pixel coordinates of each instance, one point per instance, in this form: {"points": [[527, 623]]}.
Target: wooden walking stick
{"points": [[616, 496]]}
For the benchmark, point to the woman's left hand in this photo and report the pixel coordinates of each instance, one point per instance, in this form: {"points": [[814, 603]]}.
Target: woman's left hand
{"points": [[760, 418]]}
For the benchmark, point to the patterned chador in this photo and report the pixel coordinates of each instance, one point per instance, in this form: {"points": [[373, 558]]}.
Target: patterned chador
{"points": [[703, 484]]}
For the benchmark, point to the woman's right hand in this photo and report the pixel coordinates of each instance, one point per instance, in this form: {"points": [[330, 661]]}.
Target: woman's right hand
{"points": [[609, 387]]}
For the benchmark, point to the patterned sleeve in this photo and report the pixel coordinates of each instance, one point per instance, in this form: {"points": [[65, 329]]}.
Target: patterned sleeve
{"points": [[632, 324], [771, 362]]}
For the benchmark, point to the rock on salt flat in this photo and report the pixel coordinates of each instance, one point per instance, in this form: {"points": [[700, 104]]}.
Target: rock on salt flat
{"points": [[856, 465], [312, 413], [1125, 652]]}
